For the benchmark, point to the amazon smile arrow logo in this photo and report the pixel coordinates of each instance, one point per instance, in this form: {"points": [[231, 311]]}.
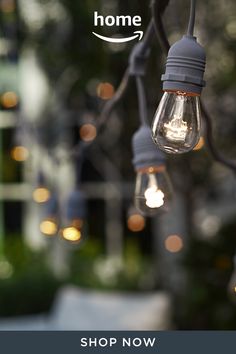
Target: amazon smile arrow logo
{"points": [[139, 34], [118, 21]]}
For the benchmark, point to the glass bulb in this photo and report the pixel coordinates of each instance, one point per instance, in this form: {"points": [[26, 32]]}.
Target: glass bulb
{"points": [[176, 125], [152, 190]]}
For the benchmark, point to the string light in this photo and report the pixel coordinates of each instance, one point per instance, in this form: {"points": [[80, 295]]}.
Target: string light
{"points": [[74, 231], [49, 225], [152, 187], [177, 121]]}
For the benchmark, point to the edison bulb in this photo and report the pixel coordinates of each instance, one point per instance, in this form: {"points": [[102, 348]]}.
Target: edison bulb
{"points": [[176, 125], [152, 190]]}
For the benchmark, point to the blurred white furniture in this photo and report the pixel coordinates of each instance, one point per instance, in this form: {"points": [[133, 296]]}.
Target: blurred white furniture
{"points": [[76, 309]]}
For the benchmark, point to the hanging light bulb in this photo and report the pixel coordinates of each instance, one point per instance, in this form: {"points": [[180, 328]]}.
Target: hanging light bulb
{"points": [[177, 121], [49, 225], [232, 283], [152, 188], [74, 231]]}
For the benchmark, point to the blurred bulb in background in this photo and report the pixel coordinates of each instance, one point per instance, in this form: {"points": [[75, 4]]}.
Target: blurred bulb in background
{"points": [[19, 153], [152, 186], [49, 225], [41, 195], [152, 190], [9, 99], [75, 231], [174, 243], [176, 125]]}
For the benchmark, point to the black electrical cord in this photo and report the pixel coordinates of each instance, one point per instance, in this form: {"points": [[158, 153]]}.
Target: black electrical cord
{"points": [[191, 18], [158, 25], [119, 94], [142, 101]]}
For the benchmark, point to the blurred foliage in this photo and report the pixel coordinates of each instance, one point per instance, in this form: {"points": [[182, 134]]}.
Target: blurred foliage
{"points": [[31, 288], [206, 303], [92, 269]]}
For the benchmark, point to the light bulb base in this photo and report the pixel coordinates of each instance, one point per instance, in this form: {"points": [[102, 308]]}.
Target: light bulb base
{"points": [[145, 152], [138, 60], [185, 67]]}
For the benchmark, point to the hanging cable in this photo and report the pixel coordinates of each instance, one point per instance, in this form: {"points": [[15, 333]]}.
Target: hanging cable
{"points": [[191, 18], [142, 101], [217, 155], [158, 26]]}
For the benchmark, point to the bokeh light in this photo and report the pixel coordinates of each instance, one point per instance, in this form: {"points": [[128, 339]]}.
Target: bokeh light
{"points": [[19, 153], [88, 132], [6, 269], [41, 195], [136, 222], [105, 90], [71, 234], [174, 243], [48, 227], [9, 99]]}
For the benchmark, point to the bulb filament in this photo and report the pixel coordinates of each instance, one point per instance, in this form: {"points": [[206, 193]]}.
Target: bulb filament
{"points": [[154, 197], [176, 130]]}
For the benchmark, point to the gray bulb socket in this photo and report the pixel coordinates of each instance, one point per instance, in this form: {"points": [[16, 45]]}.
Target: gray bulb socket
{"points": [[145, 152], [185, 67]]}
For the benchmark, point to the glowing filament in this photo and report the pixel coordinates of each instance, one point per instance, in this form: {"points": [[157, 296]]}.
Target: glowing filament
{"points": [[176, 130], [154, 197]]}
